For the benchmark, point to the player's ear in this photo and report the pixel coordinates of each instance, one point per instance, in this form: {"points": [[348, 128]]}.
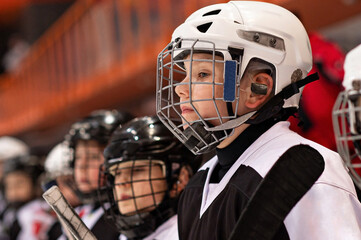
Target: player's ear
{"points": [[261, 89]]}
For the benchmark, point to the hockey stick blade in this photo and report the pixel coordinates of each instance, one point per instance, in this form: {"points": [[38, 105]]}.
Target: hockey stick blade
{"points": [[284, 185], [67, 215]]}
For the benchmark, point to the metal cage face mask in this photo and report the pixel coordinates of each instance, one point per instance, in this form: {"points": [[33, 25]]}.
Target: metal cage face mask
{"points": [[138, 186], [347, 128], [135, 191], [191, 66]]}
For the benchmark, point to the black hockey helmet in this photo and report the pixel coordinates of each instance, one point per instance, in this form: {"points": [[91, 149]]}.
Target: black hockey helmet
{"points": [[98, 126], [143, 142], [29, 165]]}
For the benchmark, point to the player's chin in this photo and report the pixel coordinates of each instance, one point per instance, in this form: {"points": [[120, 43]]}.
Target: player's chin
{"points": [[188, 119], [126, 208], [84, 188]]}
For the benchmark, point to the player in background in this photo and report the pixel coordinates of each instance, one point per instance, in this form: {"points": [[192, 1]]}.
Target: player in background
{"points": [[27, 216], [233, 74], [145, 170], [59, 172], [347, 117], [87, 139], [314, 118], [10, 147]]}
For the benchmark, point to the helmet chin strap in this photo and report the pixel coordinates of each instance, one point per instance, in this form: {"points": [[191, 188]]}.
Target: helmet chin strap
{"points": [[232, 123]]}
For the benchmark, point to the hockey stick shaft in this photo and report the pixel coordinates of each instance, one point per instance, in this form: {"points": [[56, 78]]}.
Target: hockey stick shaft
{"points": [[284, 185], [68, 216]]}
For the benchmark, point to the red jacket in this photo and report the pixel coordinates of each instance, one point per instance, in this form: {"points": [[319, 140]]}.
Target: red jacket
{"points": [[319, 97]]}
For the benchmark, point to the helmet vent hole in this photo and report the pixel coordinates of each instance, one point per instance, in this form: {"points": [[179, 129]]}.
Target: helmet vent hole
{"points": [[204, 27], [214, 12]]}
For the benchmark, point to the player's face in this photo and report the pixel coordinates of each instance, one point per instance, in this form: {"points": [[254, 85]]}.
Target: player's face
{"points": [[139, 186], [201, 76], [88, 158], [18, 187]]}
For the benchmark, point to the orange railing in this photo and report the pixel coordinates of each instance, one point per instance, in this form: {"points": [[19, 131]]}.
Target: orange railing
{"points": [[98, 53]]}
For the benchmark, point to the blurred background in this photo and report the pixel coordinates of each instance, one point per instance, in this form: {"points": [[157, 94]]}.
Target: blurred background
{"points": [[62, 59]]}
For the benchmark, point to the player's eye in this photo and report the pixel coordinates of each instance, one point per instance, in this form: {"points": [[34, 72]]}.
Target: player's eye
{"points": [[93, 156], [203, 75], [137, 170]]}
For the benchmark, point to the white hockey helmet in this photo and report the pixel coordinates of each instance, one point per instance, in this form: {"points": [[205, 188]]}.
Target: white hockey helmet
{"points": [[239, 31], [352, 68], [58, 161], [347, 115], [11, 147]]}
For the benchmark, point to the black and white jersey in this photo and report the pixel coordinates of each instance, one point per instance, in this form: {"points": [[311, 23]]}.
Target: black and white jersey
{"points": [[35, 219], [329, 210]]}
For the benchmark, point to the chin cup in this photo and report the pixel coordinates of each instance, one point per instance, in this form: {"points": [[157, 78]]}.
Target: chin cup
{"points": [[199, 140]]}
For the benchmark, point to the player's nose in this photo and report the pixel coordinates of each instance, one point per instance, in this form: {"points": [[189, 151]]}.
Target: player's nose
{"points": [[182, 89]]}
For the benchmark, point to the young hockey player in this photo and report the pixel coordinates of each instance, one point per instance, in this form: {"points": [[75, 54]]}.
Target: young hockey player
{"points": [[347, 117], [144, 176], [27, 215], [10, 147], [233, 74], [87, 139], [59, 172]]}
